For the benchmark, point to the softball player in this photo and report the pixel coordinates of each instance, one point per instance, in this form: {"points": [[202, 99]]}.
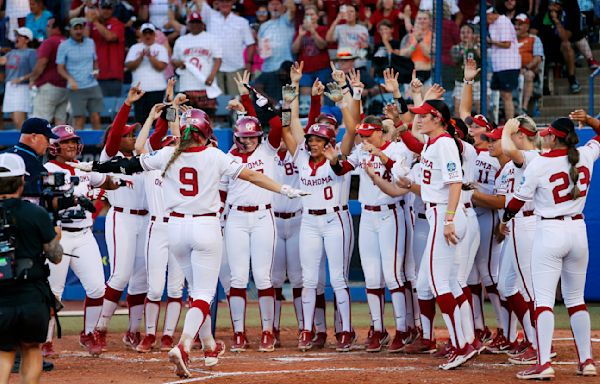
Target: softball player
{"points": [[250, 230], [382, 230], [487, 260], [126, 249], [558, 182], [77, 239], [158, 257], [191, 195]]}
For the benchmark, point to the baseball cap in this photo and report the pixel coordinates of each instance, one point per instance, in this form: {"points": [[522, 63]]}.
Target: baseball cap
{"points": [[130, 128], [14, 164], [194, 16], [106, 4], [147, 26], [24, 31], [494, 135], [491, 10], [522, 18], [367, 129], [560, 127], [481, 121], [39, 126], [77, 21], [345, 53]]}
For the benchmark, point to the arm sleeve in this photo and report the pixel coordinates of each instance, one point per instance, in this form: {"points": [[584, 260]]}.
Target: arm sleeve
{"points": [[450, 161], [538, 47], [131, 53], [315, 110], [342, 167], [411, 142], [248, 105], [248, 37], [113, 141], [274, 136], [160, 130], [61, 53], [592, 148], [163, 55]]}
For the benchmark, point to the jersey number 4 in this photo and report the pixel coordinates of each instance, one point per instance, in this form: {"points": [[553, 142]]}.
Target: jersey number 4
{"points": [[563, 177], [189, 178]]}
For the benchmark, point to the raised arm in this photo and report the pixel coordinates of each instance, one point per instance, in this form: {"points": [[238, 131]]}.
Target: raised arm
{"points": [[581, 117], [157, 135], [115, 134], [508, 146], [466, 100], [294, 124], [290, 139], [241, 81]]}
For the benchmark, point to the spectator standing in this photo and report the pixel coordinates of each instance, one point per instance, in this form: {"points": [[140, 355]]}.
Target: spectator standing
{"points": [[417, 46], [506, 61], [19, 64], [147, 61], [156, 12], [77, 63], [427, 5], [387, 55], [50, 101], [197, 57], [37, 20], [235, 35], [348, 34], [310, 47], [531, 50], [399, 19], [467, 49], [108, 34], [255, 63], [16, 11], [79, 8], [275, 41], [450, 38]]}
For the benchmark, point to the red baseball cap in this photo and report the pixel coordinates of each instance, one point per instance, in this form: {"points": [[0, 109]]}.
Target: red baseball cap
{"points": [[494, 135], [130, 128], [194, 16], [367, 129]]}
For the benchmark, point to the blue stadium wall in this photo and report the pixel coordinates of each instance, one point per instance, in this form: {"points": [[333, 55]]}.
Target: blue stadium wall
{"points": [[74, 290]]}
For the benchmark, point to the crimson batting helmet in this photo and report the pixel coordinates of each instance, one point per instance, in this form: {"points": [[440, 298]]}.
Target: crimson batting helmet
{"points": [[329, 118], [321, 130], [248, 126], [64, 133], [199, 122]]}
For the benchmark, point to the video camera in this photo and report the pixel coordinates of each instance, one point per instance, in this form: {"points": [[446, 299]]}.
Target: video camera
{"points": [[7, 246], [58, 195]]}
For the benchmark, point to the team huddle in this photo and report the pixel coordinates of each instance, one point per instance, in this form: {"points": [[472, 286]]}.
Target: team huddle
{"points": [[450, 206]]}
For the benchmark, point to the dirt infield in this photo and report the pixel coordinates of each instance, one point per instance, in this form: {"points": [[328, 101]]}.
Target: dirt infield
{"points": [[289, 365]]}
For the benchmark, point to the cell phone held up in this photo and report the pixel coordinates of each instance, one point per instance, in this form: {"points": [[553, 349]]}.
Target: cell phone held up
{"points": [[170, 114]]}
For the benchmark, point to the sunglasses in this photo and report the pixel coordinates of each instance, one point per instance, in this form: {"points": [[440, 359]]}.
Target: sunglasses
{"points": [[262, 13]]}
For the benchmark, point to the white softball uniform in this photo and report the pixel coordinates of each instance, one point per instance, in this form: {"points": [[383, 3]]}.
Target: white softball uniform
{"points": [[421, 229], [287, 221], [250, 228], [78, 239], [191, 194], [125, 233]]}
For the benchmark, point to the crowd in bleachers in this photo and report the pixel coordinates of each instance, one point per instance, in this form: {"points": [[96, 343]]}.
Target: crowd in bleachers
{"points": [[68, 60]]}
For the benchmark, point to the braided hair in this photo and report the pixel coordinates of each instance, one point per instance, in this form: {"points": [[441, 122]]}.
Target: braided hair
{"points": [[191, 137], [571, 140]]}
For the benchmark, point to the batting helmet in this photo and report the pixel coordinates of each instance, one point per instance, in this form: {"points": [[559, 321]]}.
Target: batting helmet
{"points": [[197, 120], [329, 118], [321, 130], [247, 126], [64, 133]]}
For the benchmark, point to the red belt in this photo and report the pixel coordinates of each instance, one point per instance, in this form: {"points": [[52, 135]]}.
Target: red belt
{"points": [[527, 213], [576, 217], [321, 212], [468, 205], [253, 208], [379, 208], [164, 219], [177, 214], [421, 216], [140, 212], [285, 215], [67, 229]]}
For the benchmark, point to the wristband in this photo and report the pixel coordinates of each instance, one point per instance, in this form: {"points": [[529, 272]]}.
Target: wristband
{"points": [[286, 117], [451, 212], [468, 81], [446, 223], [357, 93]]}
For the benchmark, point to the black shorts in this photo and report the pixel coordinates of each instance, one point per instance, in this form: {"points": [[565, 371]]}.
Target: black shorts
{"points": [[25, 323], [505, 80]]}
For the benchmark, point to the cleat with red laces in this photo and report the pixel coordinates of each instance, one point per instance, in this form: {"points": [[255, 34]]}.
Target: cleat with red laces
{"points": [[240, 343], [267, 342], [48, 351], [146, 344], [181, 359], [421, 345], [537, 372], [100, 336], [345, 342], [212, 357], [305, 341], [398, 343], [166, 343], [319, 340], [499, 344], [528, 357], [587, 368], [132, 339], [90, 343]]}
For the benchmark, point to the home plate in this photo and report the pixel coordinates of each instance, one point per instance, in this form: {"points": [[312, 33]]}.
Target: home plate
{"points": [[293, 359]]}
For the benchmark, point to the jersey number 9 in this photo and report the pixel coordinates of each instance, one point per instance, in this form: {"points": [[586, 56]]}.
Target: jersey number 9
{"points": [[189, 178]]}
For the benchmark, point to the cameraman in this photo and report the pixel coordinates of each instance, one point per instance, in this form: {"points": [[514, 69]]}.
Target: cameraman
{"points": [[33, 143], [25, 297]]}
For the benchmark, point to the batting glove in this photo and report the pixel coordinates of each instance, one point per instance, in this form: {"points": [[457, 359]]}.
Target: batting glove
{"points": [[292, 193]]}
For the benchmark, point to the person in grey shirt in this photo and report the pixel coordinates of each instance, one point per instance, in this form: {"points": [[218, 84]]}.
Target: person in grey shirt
{"points": [[19, 64], [77, 62]]}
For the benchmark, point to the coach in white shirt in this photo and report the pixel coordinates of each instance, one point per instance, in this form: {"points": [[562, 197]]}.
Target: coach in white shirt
{"points": [[147, 61], [506, 60], [235, 35]]}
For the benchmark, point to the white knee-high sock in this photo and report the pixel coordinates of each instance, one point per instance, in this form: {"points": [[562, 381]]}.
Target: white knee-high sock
{"points": [[544, 325], [92, 308], [581, 327], [194, 319], [151, 312], [136, 311], [343, 305], [205, 334], [109, 305], [266, 303], [309, 298], [494, 297], [401, 314], [466, 318], [373, 299], [477, 295], [237, 308], [51, 325], [297, 293], [172, 314], [320, 320]]}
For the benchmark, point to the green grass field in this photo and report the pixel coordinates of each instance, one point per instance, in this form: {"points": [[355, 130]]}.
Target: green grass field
{"points": [[360, 318]]}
